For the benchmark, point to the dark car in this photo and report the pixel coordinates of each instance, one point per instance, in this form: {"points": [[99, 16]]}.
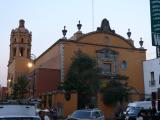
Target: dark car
{"points": [[133, 112]]}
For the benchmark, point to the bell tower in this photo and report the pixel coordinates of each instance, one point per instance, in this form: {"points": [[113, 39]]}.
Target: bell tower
{"points": [[20, 51]]}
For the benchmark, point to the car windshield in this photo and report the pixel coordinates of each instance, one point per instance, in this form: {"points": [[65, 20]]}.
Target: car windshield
{"points": [[81, 114], [133, 110], [128, 108], [19, 118]]}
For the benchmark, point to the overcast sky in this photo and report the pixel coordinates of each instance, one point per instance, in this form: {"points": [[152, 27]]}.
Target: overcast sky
{"points": [[46, 18]]}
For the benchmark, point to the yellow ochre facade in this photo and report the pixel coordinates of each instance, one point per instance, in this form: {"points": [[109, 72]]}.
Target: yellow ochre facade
{"points": [[110, 50], [20, 51], [115, 55], [60, 54]]}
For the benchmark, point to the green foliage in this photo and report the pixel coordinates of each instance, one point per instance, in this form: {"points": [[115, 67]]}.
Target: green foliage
{"points": [[83, 77], [20, 88], [115, 92]]}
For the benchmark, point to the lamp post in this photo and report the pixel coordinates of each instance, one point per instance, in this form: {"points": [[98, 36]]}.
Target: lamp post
{"points": [[30, 65], [9, 81]]}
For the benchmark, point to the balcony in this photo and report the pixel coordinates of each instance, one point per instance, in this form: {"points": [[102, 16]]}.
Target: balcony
{"points": [[106, 72], [113, 75], [152, 83]]}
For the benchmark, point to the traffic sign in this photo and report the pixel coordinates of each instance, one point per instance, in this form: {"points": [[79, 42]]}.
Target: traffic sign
{"points": [[155, 21]]}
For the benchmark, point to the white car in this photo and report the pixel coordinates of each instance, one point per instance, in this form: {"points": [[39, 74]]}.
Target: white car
{"points": [[18, 112], [86, 114], [19, 118]]}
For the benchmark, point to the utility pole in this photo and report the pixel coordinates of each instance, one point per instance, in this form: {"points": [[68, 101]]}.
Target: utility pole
{"points": [[93, 15]]}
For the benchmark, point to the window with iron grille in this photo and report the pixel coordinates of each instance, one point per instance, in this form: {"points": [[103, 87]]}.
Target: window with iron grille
{"points": [[106, 68], [152, 82]]}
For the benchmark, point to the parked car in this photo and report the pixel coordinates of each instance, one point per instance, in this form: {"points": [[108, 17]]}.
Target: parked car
{"points": [[19, 118], [87, 114], [15, 111], [141, 104], [133, 113]]}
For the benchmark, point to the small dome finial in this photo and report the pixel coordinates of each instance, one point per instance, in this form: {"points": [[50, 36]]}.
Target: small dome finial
{"points": [[129, 34], [64, 31], [79, 25], [141, 42], [21, 23]]}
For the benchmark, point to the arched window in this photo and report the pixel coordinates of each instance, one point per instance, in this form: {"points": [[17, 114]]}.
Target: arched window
{"points": [[14, 40], [14, 52], [21, 51], [28, 53], [106, 68], [28, 41], [22, 40], [124, 65]]}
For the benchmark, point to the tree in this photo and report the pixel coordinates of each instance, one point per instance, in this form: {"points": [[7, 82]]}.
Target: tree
{"points": [[116, 91], [83, 77], [20, 88]]}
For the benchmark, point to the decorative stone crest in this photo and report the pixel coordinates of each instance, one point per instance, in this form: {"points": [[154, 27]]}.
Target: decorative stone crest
{"points": [[105, 27]]}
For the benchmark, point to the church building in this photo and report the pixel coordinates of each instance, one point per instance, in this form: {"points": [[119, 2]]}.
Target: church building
{"points": [[115, 56], [20, 51]]}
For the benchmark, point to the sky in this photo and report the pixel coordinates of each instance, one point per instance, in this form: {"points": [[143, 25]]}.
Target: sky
{"points": [[46, 18]]}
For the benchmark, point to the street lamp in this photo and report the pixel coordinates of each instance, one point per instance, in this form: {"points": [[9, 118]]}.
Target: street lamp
{"points": [[9, 80], [9, 85], [31, 65]]}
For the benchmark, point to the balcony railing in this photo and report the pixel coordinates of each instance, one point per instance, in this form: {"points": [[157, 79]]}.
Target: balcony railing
{"points": [[106, 73], [113, 75], [152, 83]]}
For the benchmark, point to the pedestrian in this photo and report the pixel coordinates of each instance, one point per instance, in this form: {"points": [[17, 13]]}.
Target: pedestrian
{"points": [[149, 115], [118, 111], [46, 117], [50, 114], [140, 116], [41, 115], [54, 113]]}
